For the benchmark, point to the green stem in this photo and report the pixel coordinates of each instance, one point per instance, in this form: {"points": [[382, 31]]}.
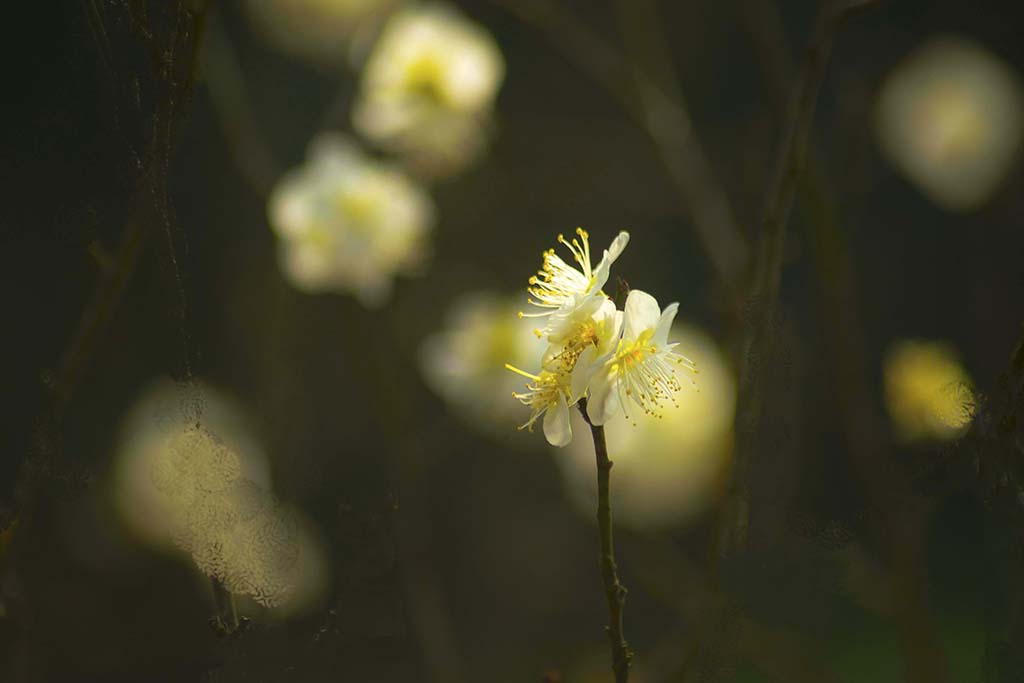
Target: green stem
{"points": [[614, 591]]}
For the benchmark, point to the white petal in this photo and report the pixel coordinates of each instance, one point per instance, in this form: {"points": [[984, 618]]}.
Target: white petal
{"points": [[664, 324], [642, 313], [601, 272], [618, 245], [603, 403], [609, 327], [606, 309], [549, 354], [557, 427], [582, 372]]}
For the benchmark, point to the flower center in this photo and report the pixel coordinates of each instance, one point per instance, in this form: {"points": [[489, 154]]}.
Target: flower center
{"points": [[425, 77]]}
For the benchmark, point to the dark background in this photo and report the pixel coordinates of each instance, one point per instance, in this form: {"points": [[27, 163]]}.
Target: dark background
{"points": [[454, 556]]}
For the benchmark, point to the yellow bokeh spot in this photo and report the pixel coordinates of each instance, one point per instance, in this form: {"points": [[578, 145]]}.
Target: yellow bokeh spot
{"points": [[927, 392], [951, 117]]}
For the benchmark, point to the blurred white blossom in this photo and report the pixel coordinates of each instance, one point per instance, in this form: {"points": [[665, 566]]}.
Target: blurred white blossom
{"points": [[668, 468], [348, 223], [428, 88], [323, 31], [178, 483], [164, 412], [927, 391], [464, 362], [951, 117]]}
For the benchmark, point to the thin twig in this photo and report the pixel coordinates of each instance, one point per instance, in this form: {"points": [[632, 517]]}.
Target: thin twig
{"points": [[660, 110], [614, 591], [97, 314], [790, 162]]}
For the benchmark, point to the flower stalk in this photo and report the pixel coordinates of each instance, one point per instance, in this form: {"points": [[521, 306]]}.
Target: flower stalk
{"points": [[614, 591]]}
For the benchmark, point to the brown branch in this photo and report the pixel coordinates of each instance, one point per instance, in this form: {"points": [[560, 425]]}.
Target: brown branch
{"points": [[614, 591]]}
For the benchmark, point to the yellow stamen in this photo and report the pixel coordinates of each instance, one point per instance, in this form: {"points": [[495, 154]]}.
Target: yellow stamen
{"points": [[521, 372]]}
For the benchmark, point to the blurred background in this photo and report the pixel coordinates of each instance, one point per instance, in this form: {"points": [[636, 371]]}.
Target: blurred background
{"points": [[263, 264]]}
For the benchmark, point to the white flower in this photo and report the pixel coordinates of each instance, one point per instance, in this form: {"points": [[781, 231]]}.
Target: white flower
{"points": [[348, 223], [643, 366], [548, 394], [951, 117], [428, 88], [564, 291], [588, 332], [668, 470], [591, 332]]}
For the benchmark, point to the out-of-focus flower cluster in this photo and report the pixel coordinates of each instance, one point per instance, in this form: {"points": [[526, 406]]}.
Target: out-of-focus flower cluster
{"points": [[428, 88], [464, 362], [617, 360], [927, 391], [668, 469], [178, 482], [232, 527], [951, 117], [349, 223]]}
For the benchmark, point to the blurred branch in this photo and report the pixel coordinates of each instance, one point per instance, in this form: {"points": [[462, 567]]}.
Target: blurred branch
{"points": [[782, 654], [759, 333], [233, 109], [171, 74], [903, 526], [660, 110], [993, 452], [614, 591], [790, 161], [114, 278], [420, 579]]}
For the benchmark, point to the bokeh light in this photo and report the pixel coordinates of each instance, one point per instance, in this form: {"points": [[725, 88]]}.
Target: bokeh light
{"points": [[927, 391], [464, 363], [951, 118], [178, 483], [162, 414]]}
